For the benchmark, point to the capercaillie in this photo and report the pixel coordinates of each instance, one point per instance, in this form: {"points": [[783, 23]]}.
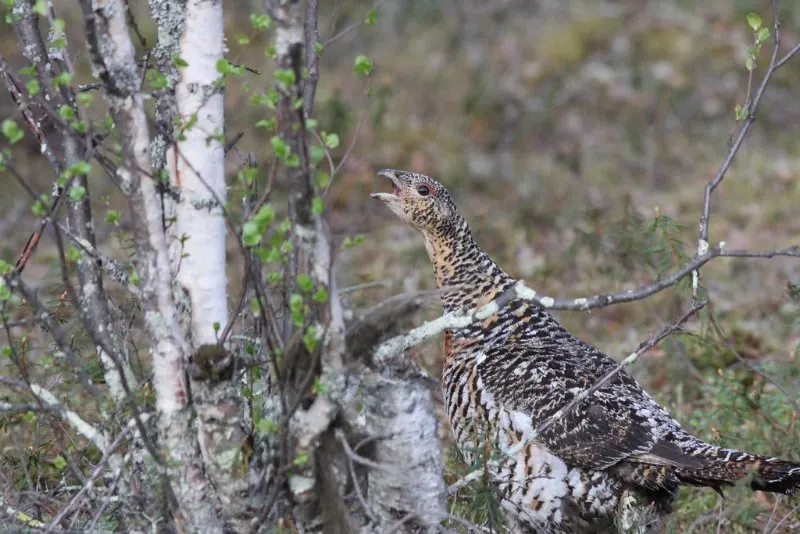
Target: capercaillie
{"points": [[508, 374]]}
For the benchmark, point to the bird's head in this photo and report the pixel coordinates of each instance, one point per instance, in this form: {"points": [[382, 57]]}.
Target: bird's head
{"points": [[421, 202]]}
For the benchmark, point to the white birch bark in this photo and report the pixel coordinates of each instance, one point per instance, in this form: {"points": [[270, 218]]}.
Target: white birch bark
{"points": [[114, 62], [197, 168]]}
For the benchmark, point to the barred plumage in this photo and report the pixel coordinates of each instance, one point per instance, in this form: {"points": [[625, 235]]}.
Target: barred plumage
{"points": [[510, 373]]}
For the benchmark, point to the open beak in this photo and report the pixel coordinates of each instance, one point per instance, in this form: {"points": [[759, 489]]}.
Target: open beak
{"points": [[395, 194]]}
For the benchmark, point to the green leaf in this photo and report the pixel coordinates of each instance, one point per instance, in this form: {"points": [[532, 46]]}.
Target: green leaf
{"points": [[292, 160], [156, 80], [179, 61], [5, 292], [331, 140], [133, 278], [297, 309], [372, 16], [66, 112], [79, 168], [79, 126], [762, 35], [304, 282], [112, 217], [247, 175], [40, 207], [85, 99], [754, 21], [279, 146], [320, 295], [77, 193], [362, 66], [12, 131], [33, 87], [285, 76], [267, 426], [750, 63], [301, 459], [65, 78], [74, 254], [243, 40], [317, 206], [741, 112], [40, 8], [311, 339], [268, 124], [353, 242], [216, 326], [265, 216], [59, 462], [251, 234], [323, 179], [5, 267], [318, 387], [260, 22]]}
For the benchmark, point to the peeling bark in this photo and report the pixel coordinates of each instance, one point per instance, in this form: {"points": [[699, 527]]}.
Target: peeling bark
{"points": [[400, 415]]}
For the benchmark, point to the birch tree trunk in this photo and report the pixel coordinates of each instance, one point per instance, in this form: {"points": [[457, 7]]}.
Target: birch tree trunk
{"points": [[197, 169]]}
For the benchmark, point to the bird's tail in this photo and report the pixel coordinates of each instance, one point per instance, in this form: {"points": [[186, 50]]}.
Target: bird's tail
{"points": [[776, 475], [724, 467]]}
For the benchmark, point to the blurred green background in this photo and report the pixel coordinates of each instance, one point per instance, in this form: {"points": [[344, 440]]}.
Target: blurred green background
{"points": [[576, 137]]}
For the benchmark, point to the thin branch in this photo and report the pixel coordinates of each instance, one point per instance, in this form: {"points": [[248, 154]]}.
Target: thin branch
{"points": [[351, 27], [787, 516], [311, 30], [579, 398], [705, 217], [8, 407]]}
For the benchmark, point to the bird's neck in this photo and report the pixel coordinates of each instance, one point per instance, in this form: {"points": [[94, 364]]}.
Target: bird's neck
{"points": [[467, 275]]}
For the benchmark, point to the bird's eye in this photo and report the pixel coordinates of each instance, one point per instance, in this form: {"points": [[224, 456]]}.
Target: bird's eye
{"points": [[423, 190]]}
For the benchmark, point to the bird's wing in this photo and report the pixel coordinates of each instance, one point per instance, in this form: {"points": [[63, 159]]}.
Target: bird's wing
{"points": [[618, 422]]}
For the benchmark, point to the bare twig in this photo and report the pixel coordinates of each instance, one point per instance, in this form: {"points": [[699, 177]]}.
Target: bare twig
{"points": [[785, 518], [772, 515]]}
